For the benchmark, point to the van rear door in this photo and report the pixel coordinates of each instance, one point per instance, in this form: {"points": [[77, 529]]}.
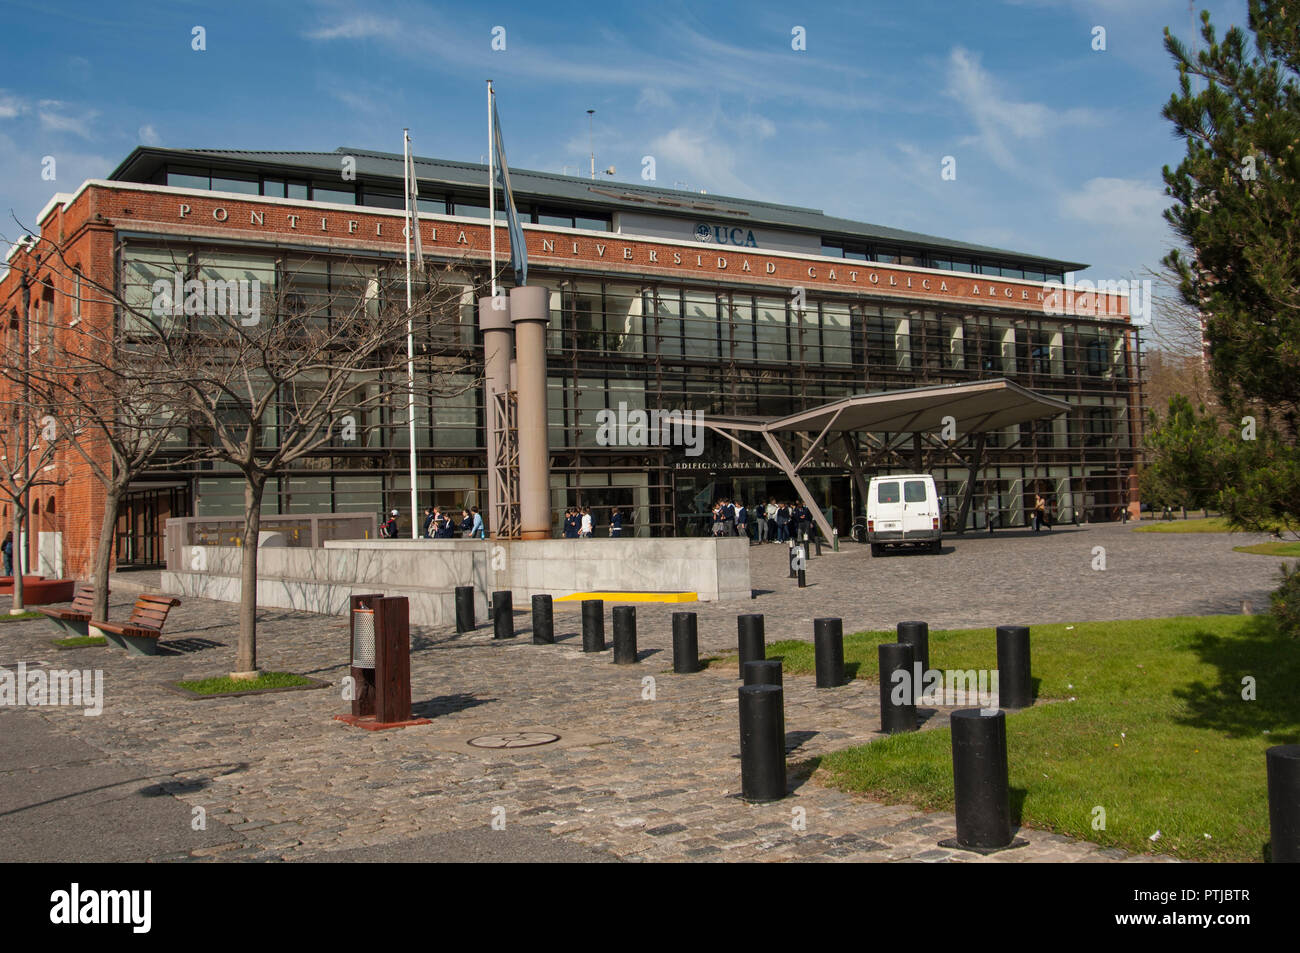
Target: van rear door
{"points": [[888, 509], [919, 507]]}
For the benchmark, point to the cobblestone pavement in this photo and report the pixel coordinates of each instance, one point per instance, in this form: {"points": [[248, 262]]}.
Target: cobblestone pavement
{"points": [[632, 777]]}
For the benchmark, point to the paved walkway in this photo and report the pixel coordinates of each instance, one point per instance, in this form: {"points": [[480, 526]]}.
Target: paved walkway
{"points": [[632, 777]]}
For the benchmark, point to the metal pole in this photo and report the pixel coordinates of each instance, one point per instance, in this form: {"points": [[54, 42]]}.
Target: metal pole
{"points": [[492, 195], [412, 221]]}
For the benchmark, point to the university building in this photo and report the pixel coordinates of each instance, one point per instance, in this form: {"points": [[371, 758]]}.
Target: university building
{"points": [[659, 299]]}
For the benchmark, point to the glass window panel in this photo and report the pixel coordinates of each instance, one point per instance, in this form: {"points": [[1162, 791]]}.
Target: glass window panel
{"points": [[888, 256], [771, 329], [837, 343], [436, 205], [879, 338], [295, 190], [913, 260], [590, 400], [1012, 271], [337, 196], [668, 323], [700, 324], [252, 292], [855, 253], [740, 336], [185, 178], [306, 291], [381, 199], [273, 188], [587, 316], [454, 406], [887, 492], [591, 224], [913, 491], [623, 321], [233, 182], [546, 218], [831, 250], [141, 267], [961, 264]]}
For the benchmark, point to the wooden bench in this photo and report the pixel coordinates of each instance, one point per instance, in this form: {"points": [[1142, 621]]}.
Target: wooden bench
{"points": [[139, 634], [73, 621]]}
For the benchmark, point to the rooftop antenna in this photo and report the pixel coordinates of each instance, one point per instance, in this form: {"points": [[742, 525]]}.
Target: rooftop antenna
{"points": [[591, 140]]}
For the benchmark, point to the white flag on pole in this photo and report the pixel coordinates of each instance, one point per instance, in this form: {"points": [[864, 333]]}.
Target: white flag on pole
{"points": [[413, 207]]}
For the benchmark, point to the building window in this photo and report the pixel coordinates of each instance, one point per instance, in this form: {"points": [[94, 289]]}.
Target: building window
{"points": [[188, 178], [235, 182], [320, 193], [382, 198]]}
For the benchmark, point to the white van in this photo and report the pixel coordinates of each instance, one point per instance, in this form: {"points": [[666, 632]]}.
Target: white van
{"points": [[903, 510]]}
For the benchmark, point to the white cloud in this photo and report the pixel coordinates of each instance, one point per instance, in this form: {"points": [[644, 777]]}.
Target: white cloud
{"points": [[1121, 203], [149, 136], [11, 106], [698, 156], [53, 119], [357, 28], [653, 97], [1003, 123]]}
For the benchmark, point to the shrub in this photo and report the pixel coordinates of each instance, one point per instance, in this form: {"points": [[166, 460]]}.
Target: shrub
{"points": [[1285, 601]]}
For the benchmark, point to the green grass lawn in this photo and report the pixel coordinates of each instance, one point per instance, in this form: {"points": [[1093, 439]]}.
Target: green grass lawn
{"points": [[1215, 524], [6, 617], [1146, 720], [80, 641], [224, 683], [1271, 549]]}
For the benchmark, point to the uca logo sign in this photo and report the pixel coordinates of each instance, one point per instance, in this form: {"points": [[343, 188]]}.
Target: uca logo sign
{"points": [[724, 235]]}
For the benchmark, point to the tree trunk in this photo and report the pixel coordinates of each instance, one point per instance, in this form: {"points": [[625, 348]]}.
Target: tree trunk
{"points": [[246, 660], [16, 557], [104, 552]]}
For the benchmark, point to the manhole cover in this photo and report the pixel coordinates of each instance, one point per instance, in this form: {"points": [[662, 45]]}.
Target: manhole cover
{"points": [[514, 739]]}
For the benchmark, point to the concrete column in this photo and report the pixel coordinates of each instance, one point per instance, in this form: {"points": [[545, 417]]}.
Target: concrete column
{"points": [[530, 310], [498, 342]]}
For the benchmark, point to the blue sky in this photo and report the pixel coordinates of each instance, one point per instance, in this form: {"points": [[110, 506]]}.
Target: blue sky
{"points": [[1058, 147]]}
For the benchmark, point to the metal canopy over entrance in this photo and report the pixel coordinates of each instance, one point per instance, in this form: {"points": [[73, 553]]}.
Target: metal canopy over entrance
{"points": [[975, 409]]}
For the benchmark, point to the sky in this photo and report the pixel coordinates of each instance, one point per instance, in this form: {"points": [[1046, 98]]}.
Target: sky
{"points": [[1057, 146]]}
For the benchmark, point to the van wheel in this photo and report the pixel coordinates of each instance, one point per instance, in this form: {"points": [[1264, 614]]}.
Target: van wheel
{"points": [[936, 547], [877, 549]]}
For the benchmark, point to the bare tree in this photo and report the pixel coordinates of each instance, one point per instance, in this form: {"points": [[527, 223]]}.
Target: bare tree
{"points": [[113, 414], [270, 382], [30, 438]]}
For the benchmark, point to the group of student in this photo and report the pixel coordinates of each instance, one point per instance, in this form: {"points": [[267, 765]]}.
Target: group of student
{"points": [[441, 524], [579, 524], [773, 522]]}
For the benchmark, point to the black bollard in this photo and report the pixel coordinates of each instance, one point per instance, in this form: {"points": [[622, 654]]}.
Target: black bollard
{"points": [[762, 672], [802, 560], [686, 644], [917, 635], [897, 696], [464, 608], [1284, 802], [624, 635], [817, 542], [790, 556], [749, 635], [828, 652], [980, 789], [762, 742], [1015, 689], [503, 614], [593, 625], [543, 621]]}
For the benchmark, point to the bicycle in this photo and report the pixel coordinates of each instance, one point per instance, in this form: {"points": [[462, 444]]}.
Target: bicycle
{"points": [[859, 530]]}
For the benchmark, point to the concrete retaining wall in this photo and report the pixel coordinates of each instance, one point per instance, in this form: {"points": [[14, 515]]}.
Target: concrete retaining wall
{"points": [[427, 572]]}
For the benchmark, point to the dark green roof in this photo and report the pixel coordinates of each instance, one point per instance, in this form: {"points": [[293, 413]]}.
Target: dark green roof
{"points": [[602, 194]]}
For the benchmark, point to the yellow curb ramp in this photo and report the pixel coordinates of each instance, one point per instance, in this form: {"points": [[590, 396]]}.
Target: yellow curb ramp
{"points": [[632, 596]]}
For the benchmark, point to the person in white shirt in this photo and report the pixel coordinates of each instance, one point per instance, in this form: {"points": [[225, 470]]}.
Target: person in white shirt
{"points": [[585, 531]]}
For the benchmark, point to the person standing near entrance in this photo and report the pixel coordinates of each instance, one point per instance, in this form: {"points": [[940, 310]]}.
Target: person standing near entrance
{"points": [[1040, 510], [783, 524], [760, 523], [585, 529], [8, 548], [742, 519], [769, 513], [616, 523], [389, 529], [477, 530]]}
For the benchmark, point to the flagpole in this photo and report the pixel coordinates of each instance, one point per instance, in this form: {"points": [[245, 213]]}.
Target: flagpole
{"points": [[412, 222], [492, 197]]}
